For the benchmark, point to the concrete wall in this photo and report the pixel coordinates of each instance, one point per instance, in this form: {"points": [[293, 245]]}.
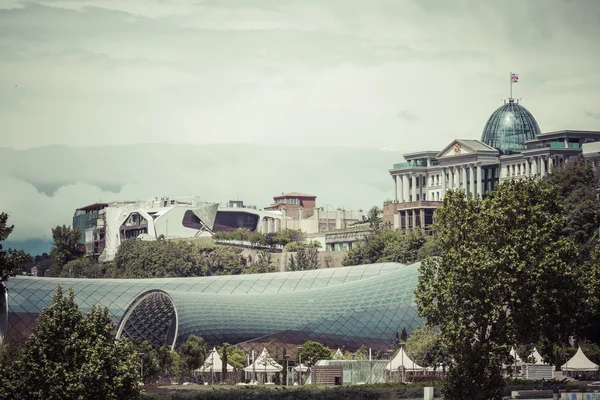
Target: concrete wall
{"points": [[333, 258]]}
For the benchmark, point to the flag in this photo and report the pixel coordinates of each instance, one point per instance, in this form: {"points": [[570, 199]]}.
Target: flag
{"points": [[514, 77]]}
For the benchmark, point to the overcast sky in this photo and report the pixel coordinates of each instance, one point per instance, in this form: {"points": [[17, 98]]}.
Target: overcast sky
{"points": [[385, 74]]}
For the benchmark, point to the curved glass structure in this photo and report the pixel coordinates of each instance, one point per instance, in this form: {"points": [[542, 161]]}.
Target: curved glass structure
{"points": [[509, 127], [339, 307]]}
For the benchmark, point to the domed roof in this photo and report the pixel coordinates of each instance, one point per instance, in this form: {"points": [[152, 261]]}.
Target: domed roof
{"points": [[509, 127]]}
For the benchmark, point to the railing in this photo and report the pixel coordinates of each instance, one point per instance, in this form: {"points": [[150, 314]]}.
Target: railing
{"points": [[411, 164]]}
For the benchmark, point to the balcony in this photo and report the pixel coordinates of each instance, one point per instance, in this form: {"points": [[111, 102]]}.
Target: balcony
{"points": [[412, 164]]}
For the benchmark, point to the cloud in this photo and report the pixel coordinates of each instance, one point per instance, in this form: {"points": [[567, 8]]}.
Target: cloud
{"points": [[48, 184], [408, 116], [591, 114]]}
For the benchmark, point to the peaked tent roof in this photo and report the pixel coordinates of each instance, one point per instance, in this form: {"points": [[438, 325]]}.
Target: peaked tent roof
{"points": [[402, 360], [579, 362], [213, 363], [264, 363], [515, 355], [301, 368], [537, 357], [338, 355]]}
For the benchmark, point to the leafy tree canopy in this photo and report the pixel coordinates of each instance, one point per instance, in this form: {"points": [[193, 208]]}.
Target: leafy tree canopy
{"points": [[71, 355], [387, 245], [11, 261], [506, 276], [193, 354], [65, 246], [312, 352]]}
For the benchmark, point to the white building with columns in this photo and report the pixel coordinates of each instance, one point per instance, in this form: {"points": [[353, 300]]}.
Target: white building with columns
{"points": [[511, 147]]}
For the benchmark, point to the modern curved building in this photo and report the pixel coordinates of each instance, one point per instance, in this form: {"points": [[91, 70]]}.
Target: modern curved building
{"points": [[339, 307], [509, 127]]}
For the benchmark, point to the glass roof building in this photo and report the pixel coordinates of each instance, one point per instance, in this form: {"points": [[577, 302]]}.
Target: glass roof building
{"points": [[509, 127], [339, 307]]}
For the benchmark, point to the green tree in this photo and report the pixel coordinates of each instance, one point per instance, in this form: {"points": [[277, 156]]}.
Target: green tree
{"points": [[235, 356], [501, 257], [65, 246], [71, 355], [263, 264], [577, 190], [169, 362], [404, 248], [426, 348], [312, 352], [11, 261], [193, 354], [85, 267], [373, 218]]}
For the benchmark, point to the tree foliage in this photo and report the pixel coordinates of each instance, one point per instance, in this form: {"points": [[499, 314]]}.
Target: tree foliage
{"points": [[71, 355], [11, 261], [577, 190], [65, 247], [306, 258], [425, 347], [171, 258], [506, 276], [312, 352], [263, 264], [193, 354], [387, 245]]}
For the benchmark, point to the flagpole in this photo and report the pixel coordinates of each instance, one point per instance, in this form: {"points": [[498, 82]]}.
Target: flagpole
{"points": [[511, 82]]}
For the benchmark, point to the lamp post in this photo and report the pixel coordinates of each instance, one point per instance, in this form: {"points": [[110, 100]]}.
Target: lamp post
{"points": [[299, 365]]}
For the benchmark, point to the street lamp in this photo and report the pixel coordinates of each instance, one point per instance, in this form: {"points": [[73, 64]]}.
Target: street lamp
{"points": [[299, 365]]}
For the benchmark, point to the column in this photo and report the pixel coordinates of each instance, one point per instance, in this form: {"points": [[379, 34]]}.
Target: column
{"points": [[542, 167], [443, 181], [405, 187], [479, 181], [414, 188], [414, 215], [550, 164], [394, 177], [472, 172], [534, 168], [278, 225], [396, 220], [422, 218], [264, 226], [527, 169], [400, 189], [464, 178], [406, 221], [271, 225]]}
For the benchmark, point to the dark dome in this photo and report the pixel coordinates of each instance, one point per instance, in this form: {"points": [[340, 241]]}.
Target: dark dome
{"points": [[509, 127]]}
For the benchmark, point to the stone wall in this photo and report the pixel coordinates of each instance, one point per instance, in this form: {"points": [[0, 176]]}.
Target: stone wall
{"points": [[331, 259]]}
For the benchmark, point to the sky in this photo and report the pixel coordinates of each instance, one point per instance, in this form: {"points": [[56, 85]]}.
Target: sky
{"points": [[98, 78]]}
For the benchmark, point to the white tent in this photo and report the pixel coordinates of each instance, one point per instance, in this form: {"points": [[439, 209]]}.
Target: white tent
{"points": [[301, 367], [579, 362], [402, 360], [213, 363], [338, 355], [264, 363], [515, 355], [537, 357]]}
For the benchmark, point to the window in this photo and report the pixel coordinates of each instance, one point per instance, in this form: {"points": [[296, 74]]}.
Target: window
{"points": [[294, 202]]}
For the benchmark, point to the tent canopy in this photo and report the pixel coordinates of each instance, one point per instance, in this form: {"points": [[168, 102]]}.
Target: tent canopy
{"points": [[338, 355], [301, 368], [213, 363], [515, 355], [264, 363], [537, 357], [402, 360], [579, 362]]}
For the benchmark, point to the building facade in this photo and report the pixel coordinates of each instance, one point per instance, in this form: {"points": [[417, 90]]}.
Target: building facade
{"points": [[104, 226], [511, 147]]}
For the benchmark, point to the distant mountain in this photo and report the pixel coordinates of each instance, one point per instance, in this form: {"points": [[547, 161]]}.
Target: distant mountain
{"points": [[42, 187]]}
